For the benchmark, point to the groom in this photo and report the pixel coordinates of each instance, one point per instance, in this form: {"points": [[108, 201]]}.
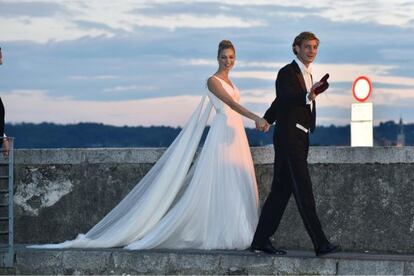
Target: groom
{"points": [[294, 111]]}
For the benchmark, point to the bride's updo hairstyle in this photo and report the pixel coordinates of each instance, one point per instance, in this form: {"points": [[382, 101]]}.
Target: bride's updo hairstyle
{"points": [[225, 44]]}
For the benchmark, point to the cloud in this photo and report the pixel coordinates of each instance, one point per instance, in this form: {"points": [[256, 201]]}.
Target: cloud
{"points": [[96, 52], [393, 13], [43, 30], [343, 72], [128, 88], [40, 107], [197, 22], [239, 63], [33, 9], [71, 20], [261, 75], [380, 75], [99, 77]]}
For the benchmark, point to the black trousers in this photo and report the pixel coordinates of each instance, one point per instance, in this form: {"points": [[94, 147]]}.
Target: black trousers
{"points": [[291, 175]]}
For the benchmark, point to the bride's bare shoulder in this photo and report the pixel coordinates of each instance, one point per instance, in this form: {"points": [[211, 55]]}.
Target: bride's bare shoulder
{"points": [[212, 78], [212, 81], [213, 84]]}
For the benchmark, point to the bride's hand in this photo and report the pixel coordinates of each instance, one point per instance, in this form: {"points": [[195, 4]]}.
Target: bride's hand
{"points": [[261, 124]]}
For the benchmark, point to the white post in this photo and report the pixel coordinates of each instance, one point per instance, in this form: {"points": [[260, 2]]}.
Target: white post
{"points": [[362, 125]]}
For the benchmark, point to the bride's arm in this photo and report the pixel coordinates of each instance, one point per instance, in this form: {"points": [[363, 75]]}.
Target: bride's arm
{"points": [[217, 89]]}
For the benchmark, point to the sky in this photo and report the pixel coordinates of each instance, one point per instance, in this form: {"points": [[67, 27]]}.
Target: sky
{"points": [[146, 62]]}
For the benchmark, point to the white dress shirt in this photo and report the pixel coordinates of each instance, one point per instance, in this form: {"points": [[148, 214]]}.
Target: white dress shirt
{"points": [[307, 76]]}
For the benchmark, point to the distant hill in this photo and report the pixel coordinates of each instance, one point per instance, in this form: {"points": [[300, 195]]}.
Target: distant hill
{"points": [[92, 135]]}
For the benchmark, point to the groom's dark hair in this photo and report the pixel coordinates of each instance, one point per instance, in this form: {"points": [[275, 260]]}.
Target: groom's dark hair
{"points": [[303, 36]]}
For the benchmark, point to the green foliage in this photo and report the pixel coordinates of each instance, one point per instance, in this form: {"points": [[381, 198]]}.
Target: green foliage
{"points": [[93, 135]]}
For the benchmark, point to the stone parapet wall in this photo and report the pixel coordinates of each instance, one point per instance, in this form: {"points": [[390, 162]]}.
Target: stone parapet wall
{"points": [[364, 196]]}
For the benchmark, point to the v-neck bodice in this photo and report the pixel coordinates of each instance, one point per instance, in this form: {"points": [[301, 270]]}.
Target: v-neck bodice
{"points": [[230, 88]]}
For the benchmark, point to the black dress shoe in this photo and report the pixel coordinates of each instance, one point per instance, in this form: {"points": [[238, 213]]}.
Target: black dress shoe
{"points": [[268, 249], [328, 249]]}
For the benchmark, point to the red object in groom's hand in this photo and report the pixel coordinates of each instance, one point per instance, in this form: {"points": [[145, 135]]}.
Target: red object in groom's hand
{"points": [[324, 85]]}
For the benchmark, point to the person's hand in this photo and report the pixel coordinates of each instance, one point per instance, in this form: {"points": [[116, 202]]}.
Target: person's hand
{"points": [[6, 147], [262, 124], [312, 94], [266, 129], [320, 87]]}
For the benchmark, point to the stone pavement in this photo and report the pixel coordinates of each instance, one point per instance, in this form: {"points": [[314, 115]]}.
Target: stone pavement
{"points": [[120, 261]]}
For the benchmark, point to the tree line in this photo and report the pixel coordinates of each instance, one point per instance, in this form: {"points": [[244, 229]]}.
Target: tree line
{"points": [[96, 135]]}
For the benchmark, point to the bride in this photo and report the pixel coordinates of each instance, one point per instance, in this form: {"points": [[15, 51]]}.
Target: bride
{"points": [[212, 204]]}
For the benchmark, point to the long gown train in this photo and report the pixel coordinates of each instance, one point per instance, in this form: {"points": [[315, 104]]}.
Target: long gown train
{"points": [[209, 205]]}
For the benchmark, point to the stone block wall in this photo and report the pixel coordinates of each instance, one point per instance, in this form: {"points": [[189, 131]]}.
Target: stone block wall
{"points": [[364, 196]]}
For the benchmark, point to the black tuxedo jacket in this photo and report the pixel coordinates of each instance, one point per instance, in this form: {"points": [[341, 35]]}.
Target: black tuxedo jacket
{"points": [[290, 108]]}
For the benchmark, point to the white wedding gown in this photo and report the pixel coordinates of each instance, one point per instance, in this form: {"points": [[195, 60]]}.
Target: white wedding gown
{"points": [[210, 205]]}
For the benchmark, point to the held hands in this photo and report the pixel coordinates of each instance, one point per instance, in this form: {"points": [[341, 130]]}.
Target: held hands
{"points": [[262, 125]]}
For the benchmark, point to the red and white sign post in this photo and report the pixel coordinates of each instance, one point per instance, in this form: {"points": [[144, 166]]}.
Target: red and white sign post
{"points": [[362, 114]]}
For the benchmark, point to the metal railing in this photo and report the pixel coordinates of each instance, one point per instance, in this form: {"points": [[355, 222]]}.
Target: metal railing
{"points": [[6, 203]]}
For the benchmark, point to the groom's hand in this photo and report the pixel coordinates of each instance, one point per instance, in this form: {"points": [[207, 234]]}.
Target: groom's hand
{"points": [[262, 125], [266, 128], [312, 95]]}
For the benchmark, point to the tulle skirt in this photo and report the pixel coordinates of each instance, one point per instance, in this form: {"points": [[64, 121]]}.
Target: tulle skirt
{"points": [[211, 205]]}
